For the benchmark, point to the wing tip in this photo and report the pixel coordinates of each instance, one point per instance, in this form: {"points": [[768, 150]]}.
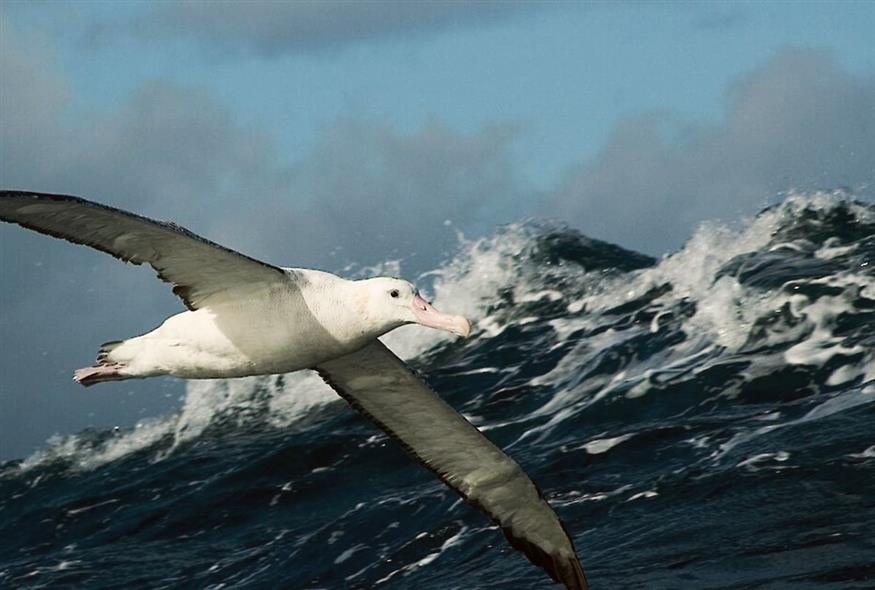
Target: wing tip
{"points": [[564, 569], [571, 574]]}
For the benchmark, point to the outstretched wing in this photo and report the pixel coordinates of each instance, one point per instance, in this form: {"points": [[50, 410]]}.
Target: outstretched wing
{"points": [[198, 268], [379, 385]]}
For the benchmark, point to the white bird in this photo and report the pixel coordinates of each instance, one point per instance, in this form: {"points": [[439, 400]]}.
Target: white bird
{"points": [[247, 317]]}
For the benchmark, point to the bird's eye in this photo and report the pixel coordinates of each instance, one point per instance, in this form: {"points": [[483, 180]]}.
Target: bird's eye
{"points": [[394, 293]]}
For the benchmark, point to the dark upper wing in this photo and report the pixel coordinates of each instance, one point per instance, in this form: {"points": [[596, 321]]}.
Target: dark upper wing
{"points": [[379, 385], [198, 269]]}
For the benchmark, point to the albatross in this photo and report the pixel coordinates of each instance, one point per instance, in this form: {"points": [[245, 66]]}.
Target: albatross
{"points": [[246, 317]]}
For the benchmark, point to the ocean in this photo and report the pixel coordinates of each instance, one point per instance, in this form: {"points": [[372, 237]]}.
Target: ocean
{"points": [[703, 420]]}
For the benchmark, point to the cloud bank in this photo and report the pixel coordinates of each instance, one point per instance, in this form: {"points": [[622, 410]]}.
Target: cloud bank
{"points": [[798, 122], [268, 29]]}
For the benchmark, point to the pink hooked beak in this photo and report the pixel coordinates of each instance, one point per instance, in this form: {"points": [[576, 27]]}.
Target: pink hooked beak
{"points": [[428, 316]]}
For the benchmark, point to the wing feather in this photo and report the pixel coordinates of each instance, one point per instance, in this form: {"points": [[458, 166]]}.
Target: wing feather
{"points": [[197, 268], [379, 385]]}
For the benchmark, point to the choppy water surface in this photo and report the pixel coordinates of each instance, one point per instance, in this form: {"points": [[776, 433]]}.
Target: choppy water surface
{"points": [[700, 421]]}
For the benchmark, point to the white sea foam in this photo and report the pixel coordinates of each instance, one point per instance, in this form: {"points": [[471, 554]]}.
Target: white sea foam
{"points": [[725, 311], [830, 406], [867, 453], [603, 445], [764, 461], [642, 495], [403, 571], [349, 553], [575, 497], [287, 400]]}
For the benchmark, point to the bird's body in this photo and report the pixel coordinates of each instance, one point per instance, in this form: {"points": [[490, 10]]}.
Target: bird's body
{"points": [[246, 317], [314, 317]]}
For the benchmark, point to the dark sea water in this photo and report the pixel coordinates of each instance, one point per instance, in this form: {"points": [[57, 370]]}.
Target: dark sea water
{"points": [[706, 420]]}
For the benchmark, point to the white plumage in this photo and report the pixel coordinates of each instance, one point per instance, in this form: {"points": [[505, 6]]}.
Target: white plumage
{"points": [[289, 325]]}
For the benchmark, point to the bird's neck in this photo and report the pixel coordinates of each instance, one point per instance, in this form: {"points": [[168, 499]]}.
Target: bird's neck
{"points": [[342, 307]]}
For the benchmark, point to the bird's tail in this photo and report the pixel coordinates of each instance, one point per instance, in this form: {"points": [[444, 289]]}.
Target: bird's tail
{"points": [[104, 370], [104, 351]]}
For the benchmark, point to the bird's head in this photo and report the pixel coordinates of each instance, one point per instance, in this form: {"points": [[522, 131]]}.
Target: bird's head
{"points": [[394, 302]]}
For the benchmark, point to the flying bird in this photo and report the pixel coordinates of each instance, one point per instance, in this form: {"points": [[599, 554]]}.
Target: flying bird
{"points": [[246, 317]]}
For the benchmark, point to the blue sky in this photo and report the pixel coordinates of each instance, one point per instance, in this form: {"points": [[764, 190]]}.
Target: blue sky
{"points": [[565, 74], [317, 134]]}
